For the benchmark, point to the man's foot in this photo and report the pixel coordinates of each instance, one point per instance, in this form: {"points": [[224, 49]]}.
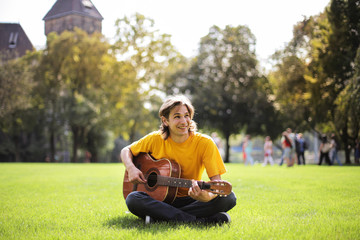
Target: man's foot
{"points": [[219, 218]]}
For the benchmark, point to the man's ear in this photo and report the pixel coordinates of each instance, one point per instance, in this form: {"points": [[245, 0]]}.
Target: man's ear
{"points": [[164, 120]]}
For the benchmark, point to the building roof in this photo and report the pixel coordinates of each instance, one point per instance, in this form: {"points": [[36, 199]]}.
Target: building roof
{"points": [[66, 7], [13, 40]]}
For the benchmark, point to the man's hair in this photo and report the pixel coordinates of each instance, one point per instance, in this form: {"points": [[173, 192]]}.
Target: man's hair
{"points": [[168, 105]]}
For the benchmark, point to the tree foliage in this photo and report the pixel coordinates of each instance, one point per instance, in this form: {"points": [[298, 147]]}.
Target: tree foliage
{"points": [[17, 113], [324, 49], [225, 86], [335, 65], [347, 107], [70, 87], [150, 55], [82, 91]]}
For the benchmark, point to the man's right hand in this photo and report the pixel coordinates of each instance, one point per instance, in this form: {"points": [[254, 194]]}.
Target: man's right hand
{"points": [[136, 176]]}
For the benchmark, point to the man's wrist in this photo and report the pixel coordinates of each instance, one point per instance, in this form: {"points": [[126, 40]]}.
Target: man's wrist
{"points": [[212, 196]]}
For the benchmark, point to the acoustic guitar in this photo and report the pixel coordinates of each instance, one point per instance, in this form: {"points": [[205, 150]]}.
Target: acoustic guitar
{"points": [[163, 179]]}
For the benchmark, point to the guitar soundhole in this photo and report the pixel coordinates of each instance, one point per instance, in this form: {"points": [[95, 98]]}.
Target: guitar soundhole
{"points": [[152, 179]]}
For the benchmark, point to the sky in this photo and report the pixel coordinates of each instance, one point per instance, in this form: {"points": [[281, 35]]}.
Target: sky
{"points": [[187, 21]]}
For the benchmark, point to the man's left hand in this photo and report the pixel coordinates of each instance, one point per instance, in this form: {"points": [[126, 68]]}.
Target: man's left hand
{"points": [[200, 195]]}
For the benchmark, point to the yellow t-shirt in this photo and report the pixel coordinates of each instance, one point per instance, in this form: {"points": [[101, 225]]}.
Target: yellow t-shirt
{"points": [[197, 153]]}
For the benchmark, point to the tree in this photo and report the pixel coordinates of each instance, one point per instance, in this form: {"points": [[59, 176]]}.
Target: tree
{"points": [[17, 111], [71, 85], [334, 66], [16, 84], [147, 54], [296, 94], [290, 89], [347, 111], [224, 84], [323, 51]]}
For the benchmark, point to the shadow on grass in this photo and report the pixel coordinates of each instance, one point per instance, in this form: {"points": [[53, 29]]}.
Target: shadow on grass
{"points": [[131, 222]]}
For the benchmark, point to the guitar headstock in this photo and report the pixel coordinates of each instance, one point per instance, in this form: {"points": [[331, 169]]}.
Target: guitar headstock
{"points": [[219, 187]]}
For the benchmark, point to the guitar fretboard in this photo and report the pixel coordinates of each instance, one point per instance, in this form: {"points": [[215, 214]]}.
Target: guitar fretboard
{"points": [[176, 182]]}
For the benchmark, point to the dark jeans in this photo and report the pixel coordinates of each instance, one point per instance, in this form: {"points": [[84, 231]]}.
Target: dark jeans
{"points": [[184, 209], [301, 154], [327, 158]]}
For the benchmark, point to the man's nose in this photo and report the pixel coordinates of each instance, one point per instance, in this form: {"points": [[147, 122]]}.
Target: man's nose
{"points": [[183, 120]]}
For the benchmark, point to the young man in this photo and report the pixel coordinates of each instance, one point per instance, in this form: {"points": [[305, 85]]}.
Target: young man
{"points": [[178, 140]]}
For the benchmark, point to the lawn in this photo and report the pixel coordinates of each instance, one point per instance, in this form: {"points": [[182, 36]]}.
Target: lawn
{"points": [[84, 201]]}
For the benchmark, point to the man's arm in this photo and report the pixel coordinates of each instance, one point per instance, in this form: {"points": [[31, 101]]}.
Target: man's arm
{"points": [[216, 177], [134, 174]]}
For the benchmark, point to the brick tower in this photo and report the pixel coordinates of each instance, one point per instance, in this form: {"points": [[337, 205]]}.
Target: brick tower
{"points": [[68, 14]]}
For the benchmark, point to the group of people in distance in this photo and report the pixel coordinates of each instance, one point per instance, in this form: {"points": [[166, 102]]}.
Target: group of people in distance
{"points": [[288, 142], [247, 148], [327, 149], [293, 150]]}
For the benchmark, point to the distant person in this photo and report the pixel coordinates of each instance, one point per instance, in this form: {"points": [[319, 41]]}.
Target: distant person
{"points": [[248, 149], [282, 158], [324, 150], [333, 150], [243, 151], [301, 146], [292, 136], [87, 157], [287, 144], [282, 155], [218, 143], [268, 149]]}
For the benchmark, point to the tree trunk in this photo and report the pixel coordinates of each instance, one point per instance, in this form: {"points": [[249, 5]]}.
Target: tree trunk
{"points": [[75, 131], [94, 157], [345, 141], [133, 132], [347, 155], [227, 148], [17, 148], [92, 149], [52, 145]]}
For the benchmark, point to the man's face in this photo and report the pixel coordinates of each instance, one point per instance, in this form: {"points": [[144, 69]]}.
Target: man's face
{"points": [[179, 121]]}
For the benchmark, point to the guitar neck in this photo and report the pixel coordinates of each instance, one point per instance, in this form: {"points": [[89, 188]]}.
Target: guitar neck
{"points": [[179, 182]]}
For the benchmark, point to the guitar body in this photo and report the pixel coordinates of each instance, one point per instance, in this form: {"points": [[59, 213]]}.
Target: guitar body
{"points": [[150, 168]]}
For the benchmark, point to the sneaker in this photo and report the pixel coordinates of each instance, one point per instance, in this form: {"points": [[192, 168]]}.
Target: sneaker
{"points": [[219, 218], [147, 220]]}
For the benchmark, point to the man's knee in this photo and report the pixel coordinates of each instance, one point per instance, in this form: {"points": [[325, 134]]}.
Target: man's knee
{"points": [[226, 203], [231, 200], [134, 200]]}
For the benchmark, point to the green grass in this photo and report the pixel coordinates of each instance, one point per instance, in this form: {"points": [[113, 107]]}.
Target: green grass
{"points": [[84, 201]]}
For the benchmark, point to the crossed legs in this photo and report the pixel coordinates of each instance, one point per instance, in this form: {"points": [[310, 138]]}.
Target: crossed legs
{"points": [[183, 209]]}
